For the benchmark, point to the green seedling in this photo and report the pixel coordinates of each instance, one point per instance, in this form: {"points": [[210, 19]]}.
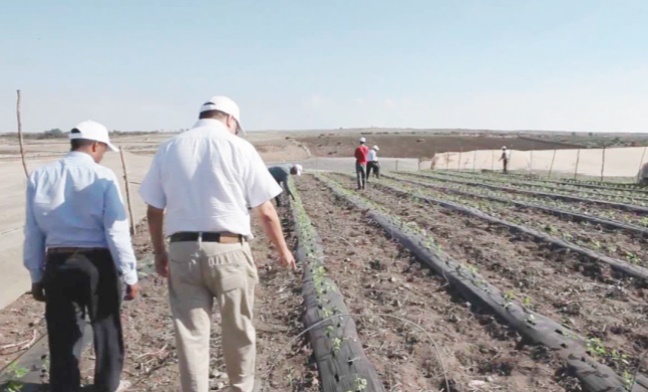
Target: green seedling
{"points": [[328, 331], [508, 299], [337, 344], [595, 346], [526, 302]]}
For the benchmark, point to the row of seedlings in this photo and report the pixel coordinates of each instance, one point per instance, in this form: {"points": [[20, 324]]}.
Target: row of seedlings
{"points": [[558, 185], [341, 361], [532, 326], [621, 206], [559, 212], [634, 271]]}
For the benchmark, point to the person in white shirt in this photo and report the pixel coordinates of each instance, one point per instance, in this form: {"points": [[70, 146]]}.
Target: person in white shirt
{"points": [[77, 246], [208, 179], [372, 163]]}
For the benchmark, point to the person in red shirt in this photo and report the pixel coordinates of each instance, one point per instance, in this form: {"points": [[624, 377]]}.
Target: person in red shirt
{"points": [[361, 162]]}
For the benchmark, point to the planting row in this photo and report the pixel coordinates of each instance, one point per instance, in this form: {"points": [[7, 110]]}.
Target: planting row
{"points": [[605, 211], [456, 251], [585, 189], [620, 202], [339, 355], [610, 238]]}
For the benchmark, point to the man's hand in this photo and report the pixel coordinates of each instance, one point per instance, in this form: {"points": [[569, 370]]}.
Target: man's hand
{"points": [[132, 290], [162, 264], [287, 259], [38, 292]]}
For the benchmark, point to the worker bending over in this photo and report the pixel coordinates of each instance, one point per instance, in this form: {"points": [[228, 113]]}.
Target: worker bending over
{"points": [[281, 173]]}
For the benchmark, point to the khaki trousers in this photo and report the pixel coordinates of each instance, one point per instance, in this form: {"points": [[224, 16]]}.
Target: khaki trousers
{"points": [[199, 273]]}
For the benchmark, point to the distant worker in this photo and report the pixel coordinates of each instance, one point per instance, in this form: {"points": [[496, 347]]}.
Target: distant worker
{"points": [[78, 250], [505, 157], [361, 153], [372, 163], [281, 173], [643, 175]]}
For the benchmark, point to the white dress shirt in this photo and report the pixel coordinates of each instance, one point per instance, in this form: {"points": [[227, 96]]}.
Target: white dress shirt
{"points": [[206, 178], [76, 202], [373, 156]]}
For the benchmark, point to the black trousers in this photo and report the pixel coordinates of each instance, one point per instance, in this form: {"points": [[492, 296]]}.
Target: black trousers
{"points": [[77, 285], [375, 166]]}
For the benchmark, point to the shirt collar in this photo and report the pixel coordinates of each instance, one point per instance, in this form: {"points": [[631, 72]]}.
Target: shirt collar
{"points": [[78, 155], [210, 123]]}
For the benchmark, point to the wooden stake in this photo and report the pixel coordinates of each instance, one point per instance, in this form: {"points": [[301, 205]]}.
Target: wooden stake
{"points": [[20, 136], [459, 160], [577, 160], [128, 199], [493, 160], [553, 158], [643, 154], [475, 160], [603, 164]]}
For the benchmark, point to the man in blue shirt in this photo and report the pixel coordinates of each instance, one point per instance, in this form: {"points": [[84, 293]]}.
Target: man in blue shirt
{"points": [[77, 249]]}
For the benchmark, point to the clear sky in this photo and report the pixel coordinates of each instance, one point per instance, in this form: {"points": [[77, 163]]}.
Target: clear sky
{"points": [[577, 65]]}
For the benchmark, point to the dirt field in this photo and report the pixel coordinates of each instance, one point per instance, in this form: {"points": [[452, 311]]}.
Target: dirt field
{"points": [[408, 145]]}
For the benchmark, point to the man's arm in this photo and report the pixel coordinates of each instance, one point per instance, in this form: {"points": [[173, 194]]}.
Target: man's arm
{"points": [[119, 239], [34, 246], [272, 228], [155, 217], [286, 187]]}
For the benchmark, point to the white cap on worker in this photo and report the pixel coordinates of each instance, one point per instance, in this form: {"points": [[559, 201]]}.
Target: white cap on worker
{"points": [[376, 148], [363, 140], [504, 148], [225, 105], [299, 169], [91, 130]]}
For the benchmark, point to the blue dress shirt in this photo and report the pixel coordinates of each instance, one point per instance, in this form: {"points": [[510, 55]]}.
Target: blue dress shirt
{"points": [[76, 202]]}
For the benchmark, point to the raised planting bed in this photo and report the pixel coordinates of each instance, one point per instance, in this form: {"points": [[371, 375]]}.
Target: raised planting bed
{"points": [[341, 361], [616, 264], [556, 184], [576, 216], [534, 327], [621, 206]]}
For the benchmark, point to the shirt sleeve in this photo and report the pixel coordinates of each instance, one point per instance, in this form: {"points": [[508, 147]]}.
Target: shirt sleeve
{"points": [[151, 189], [34, 245], [260, 186], [118, 233]]}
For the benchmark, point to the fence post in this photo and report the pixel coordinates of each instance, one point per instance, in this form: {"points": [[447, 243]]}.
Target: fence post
{"points": [[447, 156], [397, 165], [459, 160], [643, 154], [531, 163], [475, 160], [553, 158], [128, 199], [20, 135], [577, 160], [603, 164]]}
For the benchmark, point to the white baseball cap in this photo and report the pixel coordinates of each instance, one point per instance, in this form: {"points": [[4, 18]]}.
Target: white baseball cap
{"points": [[91, 130], [363, 140], [299, 169], [225, 105], [376, 148]]}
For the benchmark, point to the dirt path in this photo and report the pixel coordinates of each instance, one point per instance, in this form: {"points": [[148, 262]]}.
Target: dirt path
{"points": [[590, 303], [377, 277]]}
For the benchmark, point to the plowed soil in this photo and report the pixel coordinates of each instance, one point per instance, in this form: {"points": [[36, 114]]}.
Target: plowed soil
{"points": [[377, 278], [557, 284]]}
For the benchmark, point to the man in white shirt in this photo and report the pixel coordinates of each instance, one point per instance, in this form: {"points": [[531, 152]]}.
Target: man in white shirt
{"points": [[372, 162], [77, 246], [208, 180]]}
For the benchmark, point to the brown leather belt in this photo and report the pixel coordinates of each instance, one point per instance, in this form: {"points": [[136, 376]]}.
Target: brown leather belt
{"points": [[191, 236], [70, 250]]}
